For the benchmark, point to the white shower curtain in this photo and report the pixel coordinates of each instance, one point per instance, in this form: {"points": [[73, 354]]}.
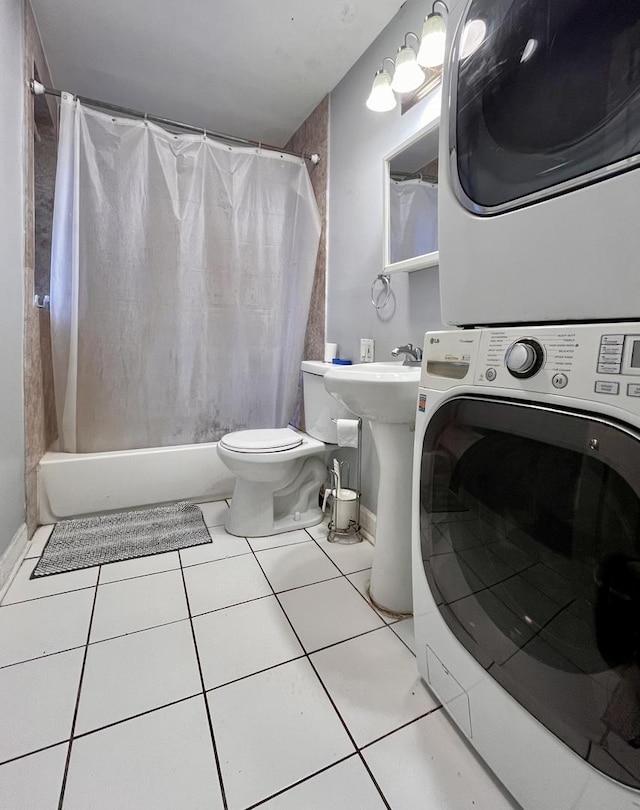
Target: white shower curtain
{"points": [[413, 219], [182, 271]]}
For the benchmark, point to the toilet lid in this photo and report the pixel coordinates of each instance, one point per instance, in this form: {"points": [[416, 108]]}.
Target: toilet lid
{"points": [[261, 441]]}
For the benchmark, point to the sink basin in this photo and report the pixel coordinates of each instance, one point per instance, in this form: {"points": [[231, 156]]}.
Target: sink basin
{"points": [[380, 392], [386, 395]]}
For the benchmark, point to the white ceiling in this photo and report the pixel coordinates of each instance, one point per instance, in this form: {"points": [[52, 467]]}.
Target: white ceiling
{"points": [[244, 67]]}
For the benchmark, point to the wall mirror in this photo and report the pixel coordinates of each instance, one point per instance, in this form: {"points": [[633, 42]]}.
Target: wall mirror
{"points": [[410, 240]]}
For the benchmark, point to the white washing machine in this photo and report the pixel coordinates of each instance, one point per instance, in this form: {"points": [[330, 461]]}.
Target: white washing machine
{"points": [[539, 153], [526, 554]]}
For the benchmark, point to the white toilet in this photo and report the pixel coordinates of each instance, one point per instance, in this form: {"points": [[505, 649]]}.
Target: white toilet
{"points": [[280, 470]]}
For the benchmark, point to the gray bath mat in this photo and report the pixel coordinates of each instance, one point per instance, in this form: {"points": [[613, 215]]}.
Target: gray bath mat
{"points": [[85, 542]]}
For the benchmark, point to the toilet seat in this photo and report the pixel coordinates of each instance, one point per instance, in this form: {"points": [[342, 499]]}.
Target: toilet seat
{"points": [[262, 441]]}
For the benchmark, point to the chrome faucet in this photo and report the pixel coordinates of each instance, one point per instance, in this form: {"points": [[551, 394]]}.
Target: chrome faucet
{"points": [[413, 354]]}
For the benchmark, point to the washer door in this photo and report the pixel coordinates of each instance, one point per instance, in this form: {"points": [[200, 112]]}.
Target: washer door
{"points": [[546, 98], [530, 536]]}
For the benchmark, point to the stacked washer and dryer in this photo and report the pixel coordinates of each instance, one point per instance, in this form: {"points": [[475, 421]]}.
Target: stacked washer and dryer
{"points": [[526, 524]]}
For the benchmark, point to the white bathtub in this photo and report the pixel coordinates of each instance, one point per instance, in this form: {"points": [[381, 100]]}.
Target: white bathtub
{"points": [[72, 484]]}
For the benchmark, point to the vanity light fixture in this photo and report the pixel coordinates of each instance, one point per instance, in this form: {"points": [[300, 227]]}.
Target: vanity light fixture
{"points": [[381, 97], [408, 73], [434, 33]]}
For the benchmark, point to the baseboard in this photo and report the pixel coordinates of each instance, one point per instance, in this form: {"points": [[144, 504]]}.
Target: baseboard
{"points": [[12, 557], [368, 524]]}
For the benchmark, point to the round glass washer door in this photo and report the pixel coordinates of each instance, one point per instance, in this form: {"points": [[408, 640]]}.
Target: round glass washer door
{"points": [[530, 537], [547, 100]]}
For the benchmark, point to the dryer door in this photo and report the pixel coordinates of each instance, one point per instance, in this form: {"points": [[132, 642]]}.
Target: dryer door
{"points": [[546, 98], [530, 537]]}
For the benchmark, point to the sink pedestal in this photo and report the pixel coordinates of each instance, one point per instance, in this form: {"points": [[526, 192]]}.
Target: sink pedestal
{"points": [[385, 394], [391, 570]]}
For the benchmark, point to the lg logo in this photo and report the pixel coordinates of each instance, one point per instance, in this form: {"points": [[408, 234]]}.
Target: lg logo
{"points": [[434, 340]]}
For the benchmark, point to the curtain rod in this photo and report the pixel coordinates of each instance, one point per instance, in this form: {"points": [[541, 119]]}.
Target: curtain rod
{"points": [[39, 89]]}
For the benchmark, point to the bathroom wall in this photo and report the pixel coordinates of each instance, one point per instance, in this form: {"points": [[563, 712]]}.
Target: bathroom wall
{"points": [[359, 139], [11, 276], [312, 138], [40, 161]]}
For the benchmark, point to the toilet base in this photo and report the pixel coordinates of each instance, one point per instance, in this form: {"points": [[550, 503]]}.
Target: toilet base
{"points": [[261, 508]]}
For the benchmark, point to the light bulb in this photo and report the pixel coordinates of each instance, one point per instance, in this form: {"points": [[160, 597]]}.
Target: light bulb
{"points": [[434, 34], [408, 74], [381, 98]]}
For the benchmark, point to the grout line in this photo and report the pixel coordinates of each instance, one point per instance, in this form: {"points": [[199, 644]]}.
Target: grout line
{"points": [[326, 691], [399, 728], [204, 694], [49, 595], [38, 657], [390, 626], [308, 655], [35, 751], [280, 545], [302, 781], [258, 671], [141, 630], [220, 559], [374, 780], [75, 712], [134, 716]]}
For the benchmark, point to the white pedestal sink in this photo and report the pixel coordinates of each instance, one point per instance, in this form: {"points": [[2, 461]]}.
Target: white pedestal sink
{"points": [[386, 395]]}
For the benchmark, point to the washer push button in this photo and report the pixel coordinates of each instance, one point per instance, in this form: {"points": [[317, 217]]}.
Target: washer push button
{"points": [[559, 380], [633, 389], [490, 374], [603, 387]]}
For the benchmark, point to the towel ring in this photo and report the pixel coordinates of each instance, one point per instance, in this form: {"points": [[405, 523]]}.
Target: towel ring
{"points": [[386, 284]]}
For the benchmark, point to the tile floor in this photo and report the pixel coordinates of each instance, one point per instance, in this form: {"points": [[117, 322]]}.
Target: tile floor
{"points": [[232, 675]]}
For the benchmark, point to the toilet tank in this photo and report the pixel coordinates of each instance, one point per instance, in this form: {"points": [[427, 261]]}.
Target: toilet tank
{"points": [[319, 406]]}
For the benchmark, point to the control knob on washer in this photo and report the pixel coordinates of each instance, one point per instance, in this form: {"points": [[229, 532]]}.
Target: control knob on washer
{"points": [[524, 358]]}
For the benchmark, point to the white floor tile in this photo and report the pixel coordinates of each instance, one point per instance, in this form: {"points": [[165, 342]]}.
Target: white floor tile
{"points": [[43, 626], [37, 701], [427, 764], [328, 612], [320, 530], [345, 786], [133, 674], [374, 683], [140, 566], [214, 513], [349, 557], [39, 540], [22, 588], [361, 580], [293, 566], [275, 540], [34, 782], [162, 761], [404, 629], [222, 545], [137, 604], [244, 639], [224, 583], [273, 729]]}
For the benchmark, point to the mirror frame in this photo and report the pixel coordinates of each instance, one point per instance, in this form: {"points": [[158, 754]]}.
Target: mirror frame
{"points": [[416, 262]]}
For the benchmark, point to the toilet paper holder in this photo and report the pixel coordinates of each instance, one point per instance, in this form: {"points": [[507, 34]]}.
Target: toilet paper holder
{"points": [[344, 520]]}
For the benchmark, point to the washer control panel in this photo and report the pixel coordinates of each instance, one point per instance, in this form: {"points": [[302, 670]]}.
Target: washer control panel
{"points": [[584, 361], [598, 361]]}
